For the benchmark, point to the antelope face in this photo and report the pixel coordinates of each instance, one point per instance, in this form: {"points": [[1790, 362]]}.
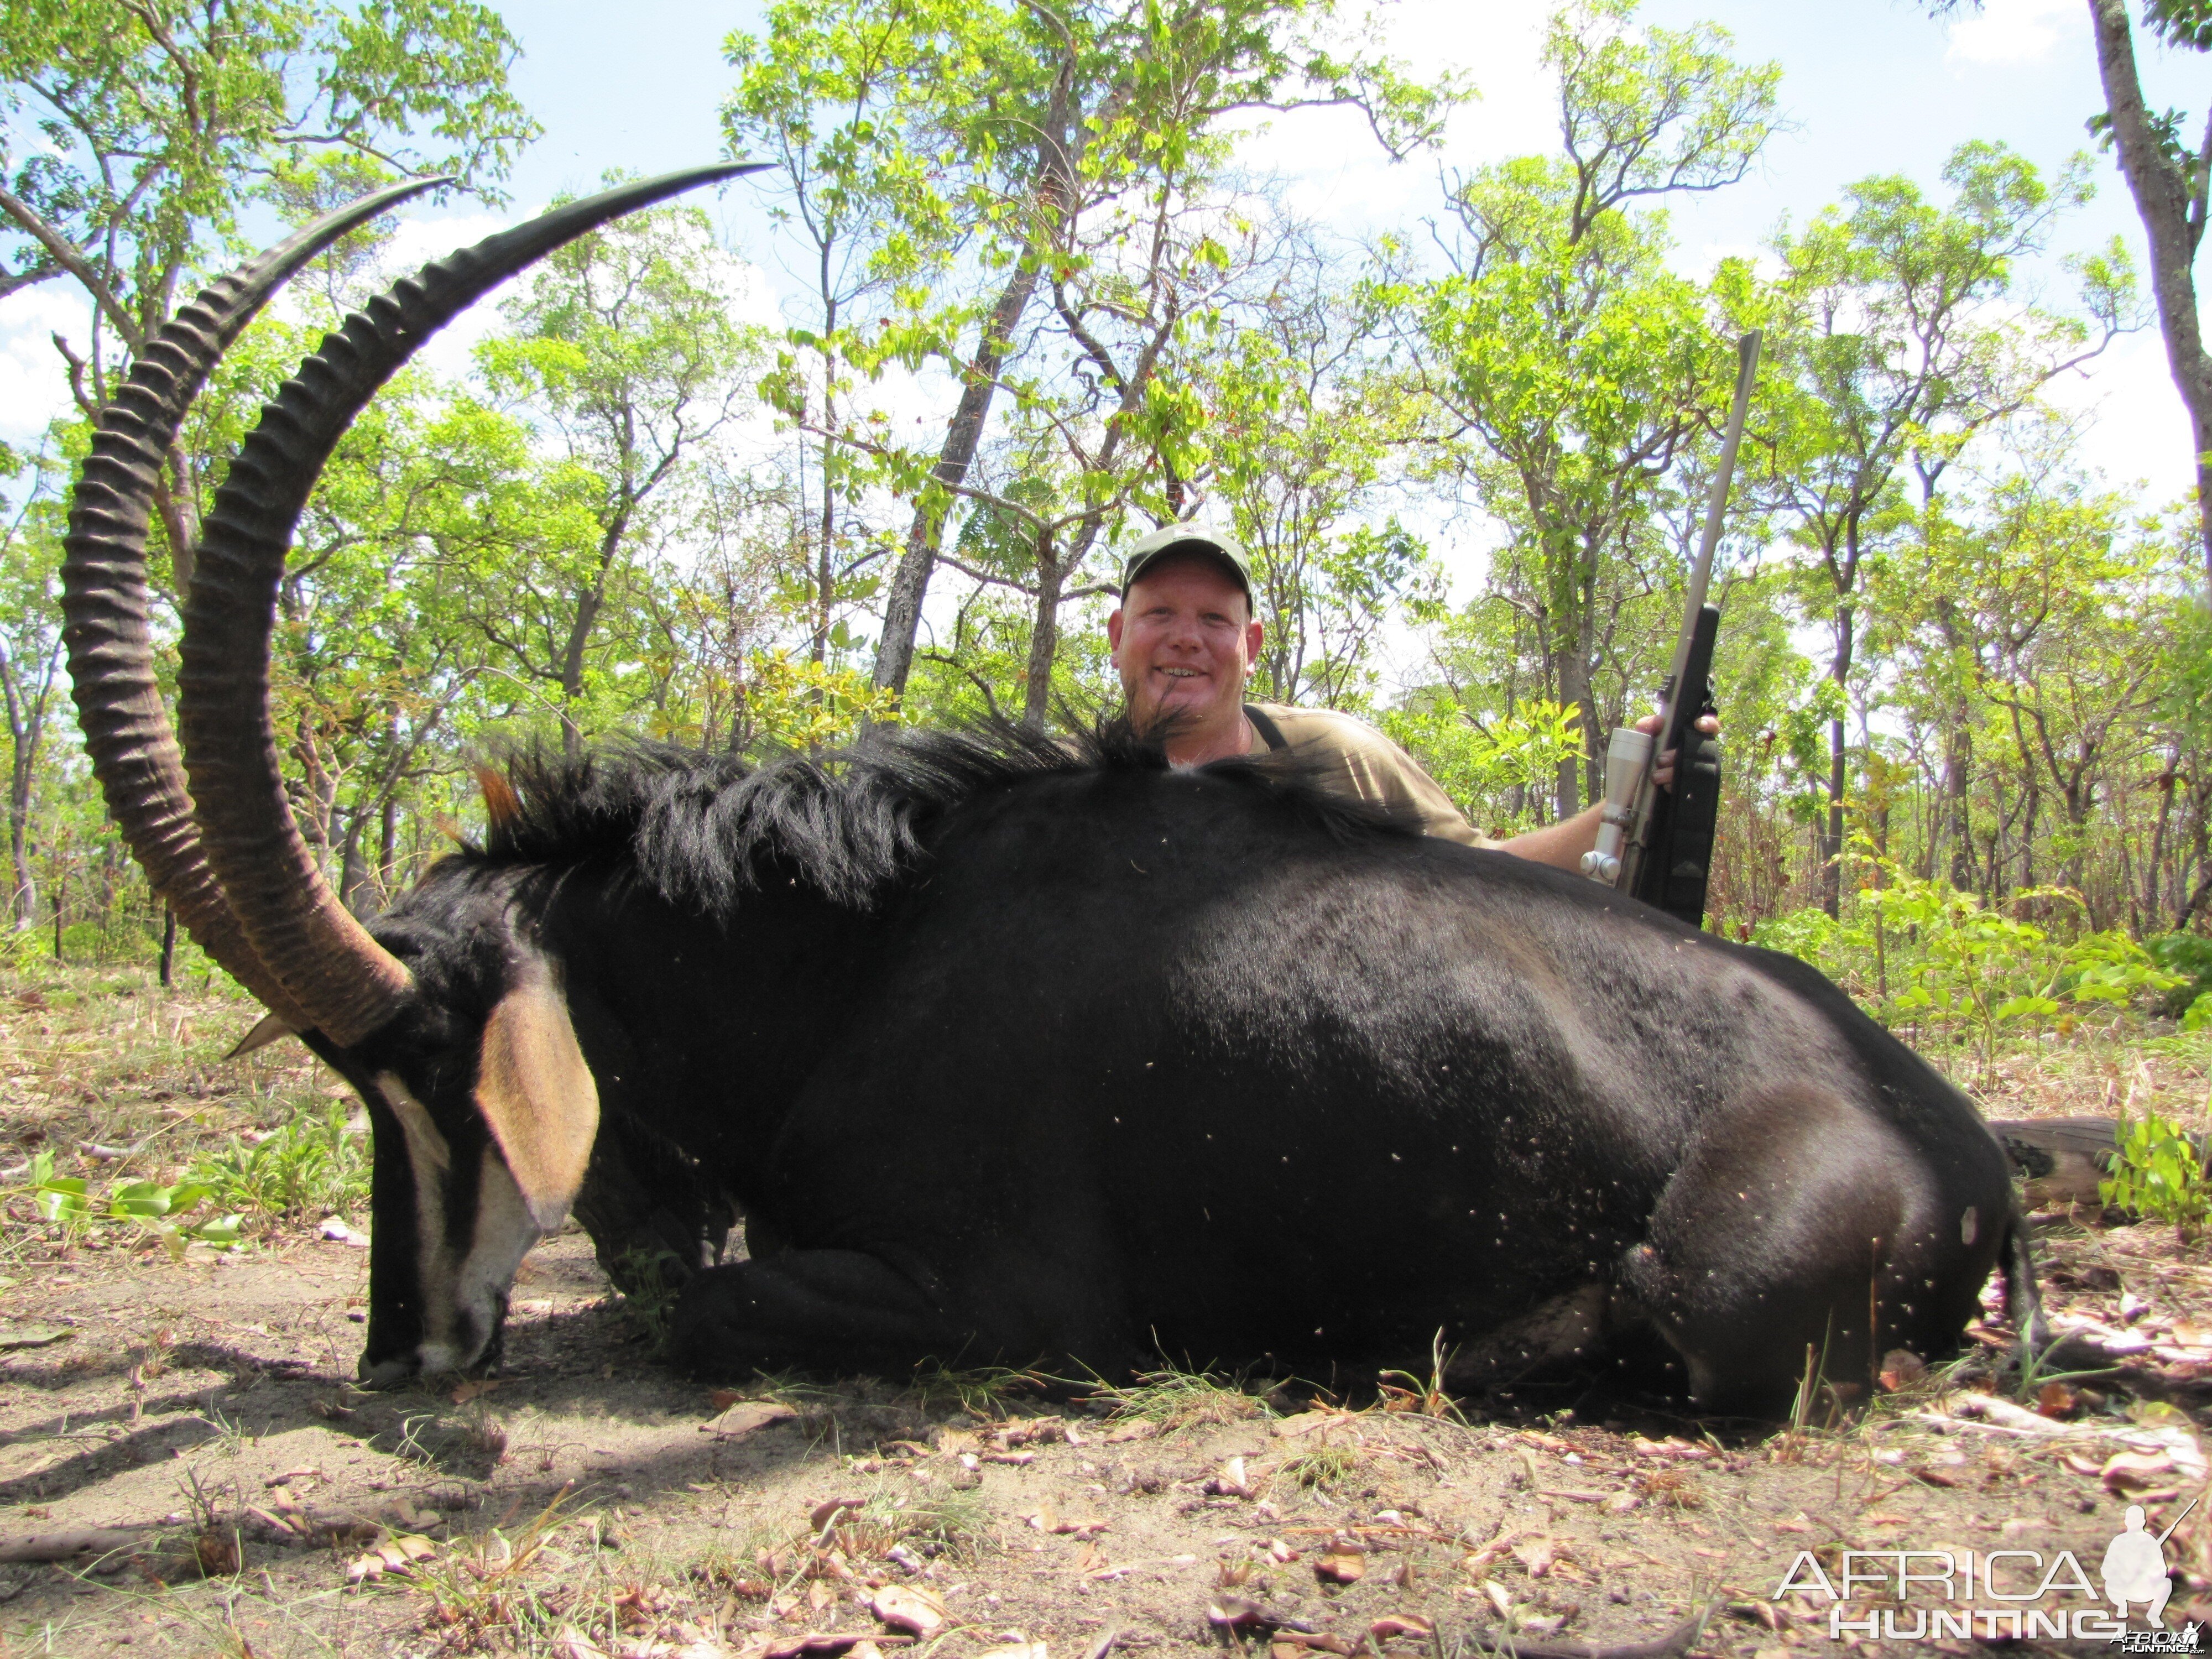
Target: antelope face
{"points": [[484, 1112]]}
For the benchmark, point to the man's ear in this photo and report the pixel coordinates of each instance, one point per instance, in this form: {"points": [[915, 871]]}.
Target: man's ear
{"points": [[539, 1096], [1254, 633], [1113, 630]]}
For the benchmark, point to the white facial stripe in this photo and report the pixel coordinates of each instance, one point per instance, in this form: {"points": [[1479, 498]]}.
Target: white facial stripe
{"points": [[425, 1144], [503, 1233]]}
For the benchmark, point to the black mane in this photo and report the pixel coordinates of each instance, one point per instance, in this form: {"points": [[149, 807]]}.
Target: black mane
{"points": [[701, 827]]}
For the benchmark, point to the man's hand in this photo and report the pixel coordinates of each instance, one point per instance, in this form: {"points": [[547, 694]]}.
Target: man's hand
{"points": [[1564, 843], [1663, 773]]}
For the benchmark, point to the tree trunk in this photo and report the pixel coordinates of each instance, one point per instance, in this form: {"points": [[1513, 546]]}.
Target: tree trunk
{"points": [[352, 874], [1044, 634], [1575, 693], [2163, 201], [2158, 826], [1831, 842], [910, 582], [173, 506], [1958, 803], [24, 908]]}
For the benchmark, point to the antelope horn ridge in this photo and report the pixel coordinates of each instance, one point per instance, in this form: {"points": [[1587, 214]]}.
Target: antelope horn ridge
{"points": [[345, 983], [107, 624]]}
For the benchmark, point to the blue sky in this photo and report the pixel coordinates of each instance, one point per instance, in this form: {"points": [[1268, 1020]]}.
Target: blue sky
{"points": [[1870, 87]]}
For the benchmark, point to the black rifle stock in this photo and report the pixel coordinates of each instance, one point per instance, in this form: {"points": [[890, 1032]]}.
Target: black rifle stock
{"points": [[1678, 855], [1654, 843]]}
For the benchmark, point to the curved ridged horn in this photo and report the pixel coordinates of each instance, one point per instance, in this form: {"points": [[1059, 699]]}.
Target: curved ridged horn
{"points": [[346, 983], [105, 624]]}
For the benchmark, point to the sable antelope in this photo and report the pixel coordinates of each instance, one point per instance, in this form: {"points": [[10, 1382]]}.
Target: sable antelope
{"points": [[1012, 1049]]}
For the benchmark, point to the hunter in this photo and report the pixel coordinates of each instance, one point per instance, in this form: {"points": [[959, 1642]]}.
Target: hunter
{"points": [[1184, 639]]}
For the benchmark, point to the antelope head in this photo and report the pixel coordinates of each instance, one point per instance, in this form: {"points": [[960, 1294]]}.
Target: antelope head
{"points": [[447, 1016]]}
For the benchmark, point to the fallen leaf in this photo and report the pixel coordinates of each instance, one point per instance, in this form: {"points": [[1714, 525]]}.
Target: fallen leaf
{"points": [[855, 1645], [1239, 1615], [1901, 1368], [1401, 1624], [1343, 1563], [1015, 1651], [2131, 1471], [823, 1514], [31, 1336], [1934, 1478], [1535, 1555], [2056, 1399], [742, 1417], [903, 1607]]}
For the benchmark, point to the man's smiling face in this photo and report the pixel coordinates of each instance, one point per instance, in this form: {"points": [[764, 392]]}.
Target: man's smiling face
{"points": [[1183, 641]]}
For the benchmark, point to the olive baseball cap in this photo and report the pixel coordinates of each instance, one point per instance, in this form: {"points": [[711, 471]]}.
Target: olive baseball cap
{"points": [[1194, 538]]}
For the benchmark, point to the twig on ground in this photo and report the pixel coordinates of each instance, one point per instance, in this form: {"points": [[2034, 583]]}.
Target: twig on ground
{"points": [[67, 1545], [1676, 1640]]}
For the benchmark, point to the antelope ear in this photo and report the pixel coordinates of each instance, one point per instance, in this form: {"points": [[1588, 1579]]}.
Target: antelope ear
{"points": [[536, 1093], [266, 1031]]}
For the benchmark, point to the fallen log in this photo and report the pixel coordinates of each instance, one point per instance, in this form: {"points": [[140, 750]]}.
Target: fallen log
{"points": [[2063, 1158], [68, 1545]]}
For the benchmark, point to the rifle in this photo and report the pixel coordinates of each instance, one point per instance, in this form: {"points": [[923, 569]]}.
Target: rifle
{"points": [[1652, 843]]}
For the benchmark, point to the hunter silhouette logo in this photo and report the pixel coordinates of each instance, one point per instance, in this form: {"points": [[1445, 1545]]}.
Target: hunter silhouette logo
{"points": [[2013, 1595], [2135, 1567]]}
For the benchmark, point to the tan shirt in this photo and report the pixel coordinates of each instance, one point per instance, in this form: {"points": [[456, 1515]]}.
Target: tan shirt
{"points": [[1368, 766]]}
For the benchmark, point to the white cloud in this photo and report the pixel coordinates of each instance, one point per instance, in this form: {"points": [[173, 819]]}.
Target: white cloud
{"points": [[34, 383], [2006, 32], [2137, 431]]}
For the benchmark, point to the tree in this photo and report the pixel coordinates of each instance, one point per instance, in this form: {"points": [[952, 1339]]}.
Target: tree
{"points": [[623, 349], [1303, 428], [1897, 342], [1572, 368], [2169, 182], [942, 158], [133, 133], [2034, 613], [30, 669]]}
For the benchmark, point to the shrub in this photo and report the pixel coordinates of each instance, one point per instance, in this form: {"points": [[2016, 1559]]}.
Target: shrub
{"points": [[2159, 1173], [315, 1163], [2190, 957]]}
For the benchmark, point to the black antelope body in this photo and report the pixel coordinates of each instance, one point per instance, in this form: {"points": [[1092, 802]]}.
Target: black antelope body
{"points": [[1007, 1049]]}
